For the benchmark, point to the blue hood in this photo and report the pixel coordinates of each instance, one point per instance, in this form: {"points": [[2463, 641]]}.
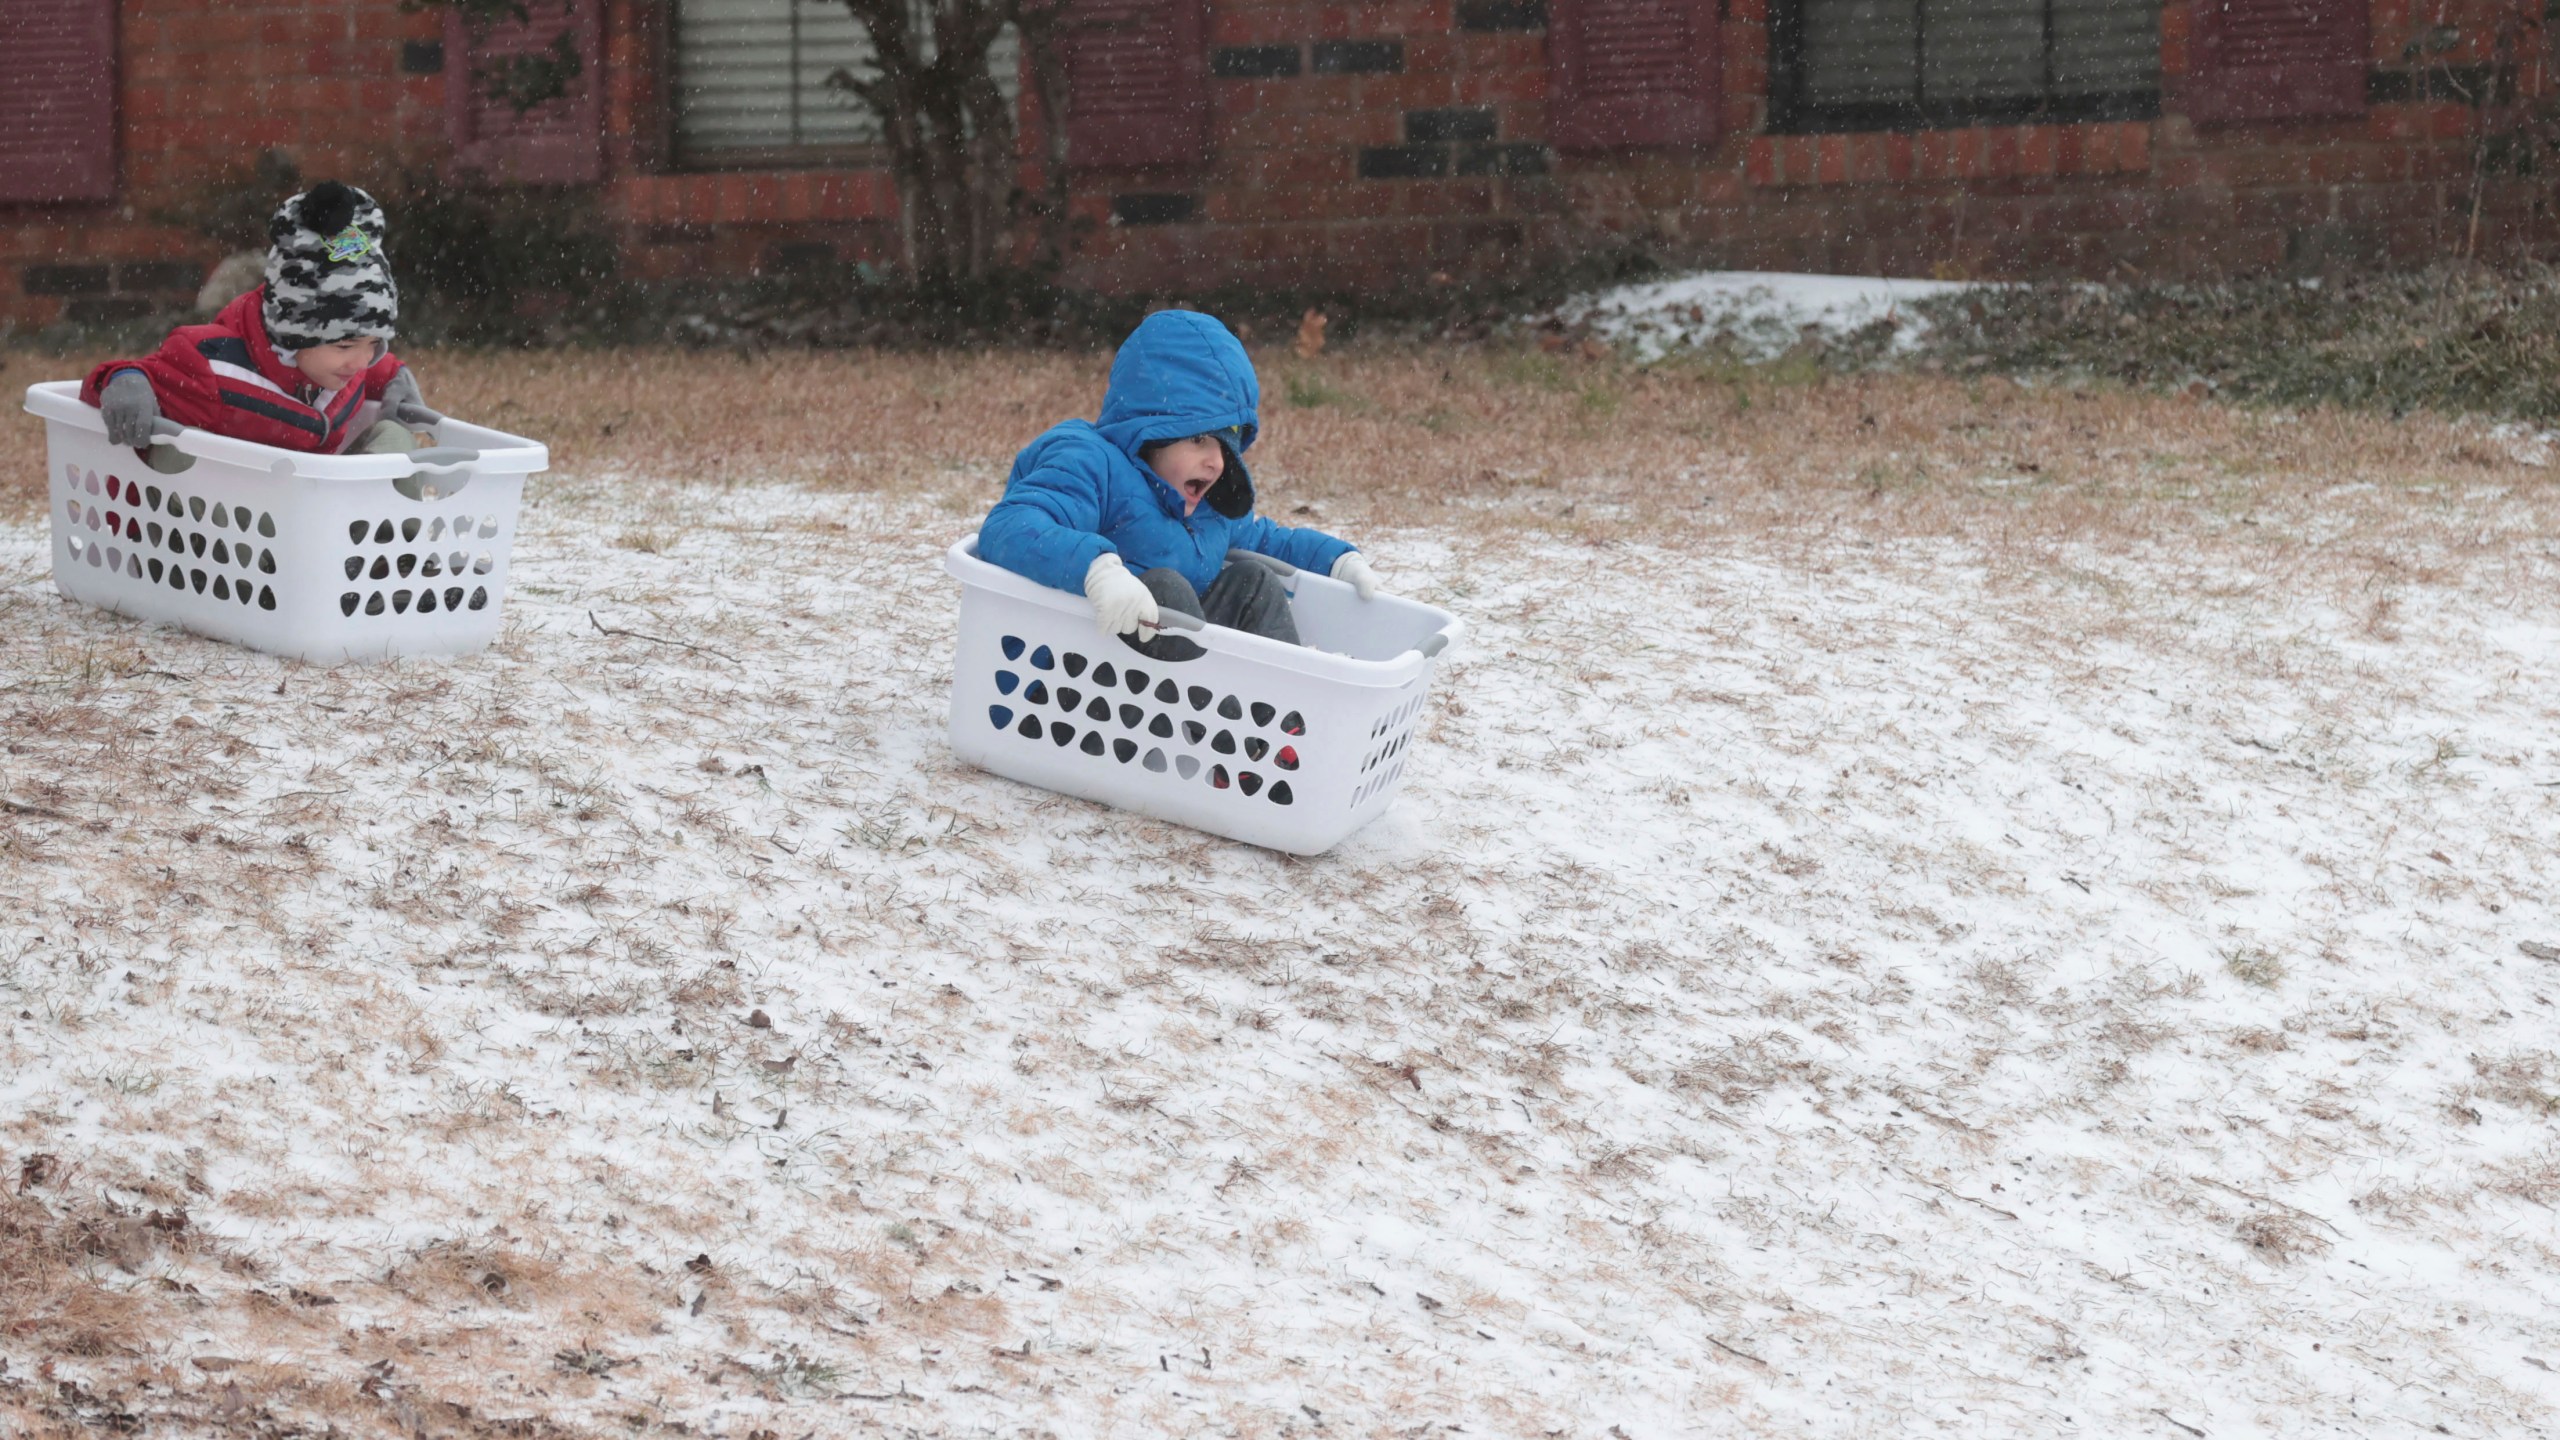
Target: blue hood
{"points": [[1079, 491], [1179, 374]]}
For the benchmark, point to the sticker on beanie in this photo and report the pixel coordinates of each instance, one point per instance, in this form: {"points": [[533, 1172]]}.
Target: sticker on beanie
{"points": [[350, 244]]}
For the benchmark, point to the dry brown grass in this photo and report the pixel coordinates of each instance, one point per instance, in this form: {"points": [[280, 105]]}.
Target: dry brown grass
{"points": [[1508, 438]]}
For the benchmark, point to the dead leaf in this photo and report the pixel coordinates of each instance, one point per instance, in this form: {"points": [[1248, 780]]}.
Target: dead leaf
{"points": [[1311, 334]]}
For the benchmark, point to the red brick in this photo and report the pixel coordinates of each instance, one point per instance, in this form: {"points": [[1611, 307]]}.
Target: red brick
{"points": [[1760, 161], [1972, 154], [1458, 197], [1508, 86], [1406, 92], [1504, 51], [2039, 150], [1721, 187], [725, 198], [1229, 26], [790, 202], [2133, 147], [1345, 128], [1831, 159], [2001, 158], [1426, 54], [2070, 150], [2400, 122], [1866, 161], [2101, 146], [1898, 158], [1803, 159]]}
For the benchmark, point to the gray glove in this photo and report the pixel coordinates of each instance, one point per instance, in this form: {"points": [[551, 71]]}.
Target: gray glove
{"points": [[402, 402], [129, 408]]}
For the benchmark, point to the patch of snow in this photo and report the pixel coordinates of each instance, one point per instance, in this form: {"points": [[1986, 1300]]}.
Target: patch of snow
{"points": [[2525, 444], [1829, 992], [1760, 314]]}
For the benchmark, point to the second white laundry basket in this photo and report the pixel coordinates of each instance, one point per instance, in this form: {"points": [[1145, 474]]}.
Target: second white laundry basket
{"points": [[320, 557]]}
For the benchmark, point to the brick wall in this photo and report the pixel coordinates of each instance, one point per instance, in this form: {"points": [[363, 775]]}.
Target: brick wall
{"points": [[1372, 145], [356, 89], [204, 87]]}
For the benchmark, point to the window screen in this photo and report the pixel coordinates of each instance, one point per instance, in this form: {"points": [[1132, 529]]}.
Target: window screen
{"points": [[1903, 64], [751, 79]]}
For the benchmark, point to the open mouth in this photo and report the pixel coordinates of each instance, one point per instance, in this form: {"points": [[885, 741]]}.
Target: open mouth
{"points": [[1195, 489]]}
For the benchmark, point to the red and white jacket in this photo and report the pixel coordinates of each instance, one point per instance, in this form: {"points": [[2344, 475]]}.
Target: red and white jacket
{"points": [[225, 377]]}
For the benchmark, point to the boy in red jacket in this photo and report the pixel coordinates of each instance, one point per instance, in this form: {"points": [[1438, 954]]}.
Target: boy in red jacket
{"points": [[303, 362]]}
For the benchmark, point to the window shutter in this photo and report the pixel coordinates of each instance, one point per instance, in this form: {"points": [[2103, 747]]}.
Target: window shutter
{"points": [[2278, 59], [558, 142], [1624, 73], [57, 100], [1137, 82]]}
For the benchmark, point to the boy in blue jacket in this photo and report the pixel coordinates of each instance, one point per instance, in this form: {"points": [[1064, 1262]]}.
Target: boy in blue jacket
{"points": [[1139, 510]]}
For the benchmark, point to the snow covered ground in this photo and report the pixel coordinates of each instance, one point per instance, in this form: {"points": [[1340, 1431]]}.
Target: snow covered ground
{"points": [[1759, 313], [1814, 983]]}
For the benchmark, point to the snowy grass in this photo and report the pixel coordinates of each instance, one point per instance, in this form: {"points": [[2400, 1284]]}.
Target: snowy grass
{"points": [[1921, 907], [1755, 316]]}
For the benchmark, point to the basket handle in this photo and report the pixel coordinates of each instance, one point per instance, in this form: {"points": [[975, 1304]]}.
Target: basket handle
{"points": [[1170, 621], [1272, 563], [449, 464], [441, 459], [1196, 628]]}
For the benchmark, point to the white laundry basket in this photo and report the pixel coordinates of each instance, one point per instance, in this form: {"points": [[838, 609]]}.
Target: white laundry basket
{"points": [[1291, 747], [314, 556]]}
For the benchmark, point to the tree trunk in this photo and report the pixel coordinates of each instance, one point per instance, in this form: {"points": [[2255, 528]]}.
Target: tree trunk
{"points": [[951, 133]]}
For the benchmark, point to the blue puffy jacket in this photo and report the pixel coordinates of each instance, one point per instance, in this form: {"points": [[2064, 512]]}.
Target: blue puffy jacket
{"points": [[1080, 490]]}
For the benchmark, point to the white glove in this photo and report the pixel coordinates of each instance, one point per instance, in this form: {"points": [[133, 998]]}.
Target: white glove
{"points": [[1353, 571], [1121, 604], [402, 402]]}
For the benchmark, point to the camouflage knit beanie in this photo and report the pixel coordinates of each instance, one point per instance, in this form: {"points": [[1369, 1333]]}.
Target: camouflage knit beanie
{"points": [[327, 279]]}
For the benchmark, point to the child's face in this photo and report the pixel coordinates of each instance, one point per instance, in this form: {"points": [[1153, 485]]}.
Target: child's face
{"points": [[334, 365], [1190, 467]]}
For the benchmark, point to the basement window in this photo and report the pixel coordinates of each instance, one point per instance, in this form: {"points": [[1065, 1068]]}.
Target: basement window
{"points": [[1928, 64]]}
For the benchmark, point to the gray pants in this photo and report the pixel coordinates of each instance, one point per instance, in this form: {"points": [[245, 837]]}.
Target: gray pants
{"points": [[384, 437], [1245, 596]]}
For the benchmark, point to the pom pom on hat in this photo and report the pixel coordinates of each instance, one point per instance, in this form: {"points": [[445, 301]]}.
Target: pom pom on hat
{"points": [[330, 207], [326, 276]]}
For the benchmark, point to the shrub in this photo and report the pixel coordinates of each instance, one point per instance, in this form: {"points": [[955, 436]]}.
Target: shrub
{"points": [[496, 264], [2450, 338]]}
